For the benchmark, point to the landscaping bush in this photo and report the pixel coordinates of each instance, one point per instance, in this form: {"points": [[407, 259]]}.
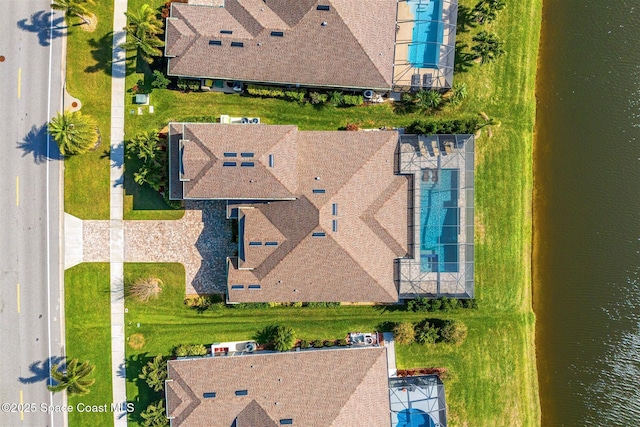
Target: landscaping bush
{"points": [[352, 100], [317, 344], [250, 305], [204, 302], [323, 304], [352, 127], [419, 304], [317, 98], [449, 304], [404, 333], [329, 343], [145, 289], [297, 95], [335, 98], [342, 342], [432, 127], [265, 91], [184, 84], [453, 331], [469, 303], [155, 415], [183, 350], [283, 338], [304, 344], [159, 80], [426, 333], [155, 372], [435, 305]]}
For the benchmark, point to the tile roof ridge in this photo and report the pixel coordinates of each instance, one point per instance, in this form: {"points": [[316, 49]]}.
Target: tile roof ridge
{"points": [[196, 35], [369, 215], [361, 383], [295, 130], [337, 9], [194, 400]]}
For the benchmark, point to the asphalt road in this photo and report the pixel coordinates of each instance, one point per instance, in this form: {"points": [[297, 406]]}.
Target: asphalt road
{"points": [[30, 311]]}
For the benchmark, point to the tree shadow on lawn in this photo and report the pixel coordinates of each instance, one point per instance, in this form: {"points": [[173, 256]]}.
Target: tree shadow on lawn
{"points": [[464, 60], [38, 143], [45, 25], [102, 53], [466, 19], [145, 395], [40, 370]]}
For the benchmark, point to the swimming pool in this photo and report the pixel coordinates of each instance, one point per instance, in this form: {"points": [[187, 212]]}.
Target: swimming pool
{"points": [[428, 32], [439, 221], [414, 418]]}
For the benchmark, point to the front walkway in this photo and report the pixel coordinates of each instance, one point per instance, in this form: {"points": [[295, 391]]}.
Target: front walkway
{"points": [[116, 230], [201, 241]]}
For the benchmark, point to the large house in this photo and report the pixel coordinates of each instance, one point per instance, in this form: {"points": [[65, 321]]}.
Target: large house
{"points": [[374, 44], [343, 387], [334, 215], [326, 43]]}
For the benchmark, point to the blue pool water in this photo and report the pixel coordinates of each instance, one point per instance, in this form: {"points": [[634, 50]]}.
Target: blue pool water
{"points": [[439, 222], [428, 32], [414, 418]]}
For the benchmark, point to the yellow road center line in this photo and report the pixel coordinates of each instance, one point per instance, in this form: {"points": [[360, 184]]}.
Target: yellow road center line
{"points": [[17, 191], [21, 404], [19, 81], [18, 295]]}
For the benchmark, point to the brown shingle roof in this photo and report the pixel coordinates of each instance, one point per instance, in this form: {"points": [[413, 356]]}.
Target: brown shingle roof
{"points": [[343, 387], [250, 176], [345, 188], [354, 49]]}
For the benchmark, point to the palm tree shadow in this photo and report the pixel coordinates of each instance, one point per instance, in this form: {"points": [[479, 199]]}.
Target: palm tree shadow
{"points": [[466, 19], [38, 143], [40, 370], [45, 25], [464, 60], [102, 53]]}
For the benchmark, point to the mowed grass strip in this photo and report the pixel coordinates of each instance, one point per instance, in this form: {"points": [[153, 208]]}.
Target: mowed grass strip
{"points": [[88, 336], [86, 177]]}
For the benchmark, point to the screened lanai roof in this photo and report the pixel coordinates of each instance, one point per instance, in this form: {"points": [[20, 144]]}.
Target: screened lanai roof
{"points": [[441, 216], [416, 401], [425, 44]]}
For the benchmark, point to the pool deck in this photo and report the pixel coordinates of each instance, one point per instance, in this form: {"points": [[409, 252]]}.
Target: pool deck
{"points": [[403, 70], [419, 153]]}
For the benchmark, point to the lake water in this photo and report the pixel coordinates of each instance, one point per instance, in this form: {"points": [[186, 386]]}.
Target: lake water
{"points": [[587, 213]]}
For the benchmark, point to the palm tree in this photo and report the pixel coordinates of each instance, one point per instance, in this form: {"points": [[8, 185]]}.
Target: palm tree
{"points": [[488, 123], [486, 11], [155, 415], [155, 372], [74, 132], [143, 28], [73, 8], [74, 380], [488, 47], [144, 145], [458, 93], [428, 100]]}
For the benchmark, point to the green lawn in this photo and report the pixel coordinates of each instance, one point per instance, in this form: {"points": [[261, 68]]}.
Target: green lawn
{"points": [[88, 335], [86, 177]]}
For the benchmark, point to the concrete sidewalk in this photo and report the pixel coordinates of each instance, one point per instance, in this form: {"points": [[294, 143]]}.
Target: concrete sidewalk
{"points": [[116, 231]]}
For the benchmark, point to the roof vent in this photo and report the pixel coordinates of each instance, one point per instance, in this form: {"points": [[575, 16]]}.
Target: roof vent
{"points": [[237, 44], [277, 33], [323, 7], [324, 23], [215, 42], [226, 32]]}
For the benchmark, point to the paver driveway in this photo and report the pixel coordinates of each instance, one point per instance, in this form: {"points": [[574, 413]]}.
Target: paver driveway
{"points": [[201, 241]]}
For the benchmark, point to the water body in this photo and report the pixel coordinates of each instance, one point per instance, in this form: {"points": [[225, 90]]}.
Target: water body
{"points": [[587, 213]]}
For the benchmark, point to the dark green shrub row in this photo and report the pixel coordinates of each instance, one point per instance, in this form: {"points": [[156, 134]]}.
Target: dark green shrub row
{"points": [[184, 84], [297, 95], [445, 304], [432, 127], [322, 304], [183, 350], [336, 98], [342, 342]]}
